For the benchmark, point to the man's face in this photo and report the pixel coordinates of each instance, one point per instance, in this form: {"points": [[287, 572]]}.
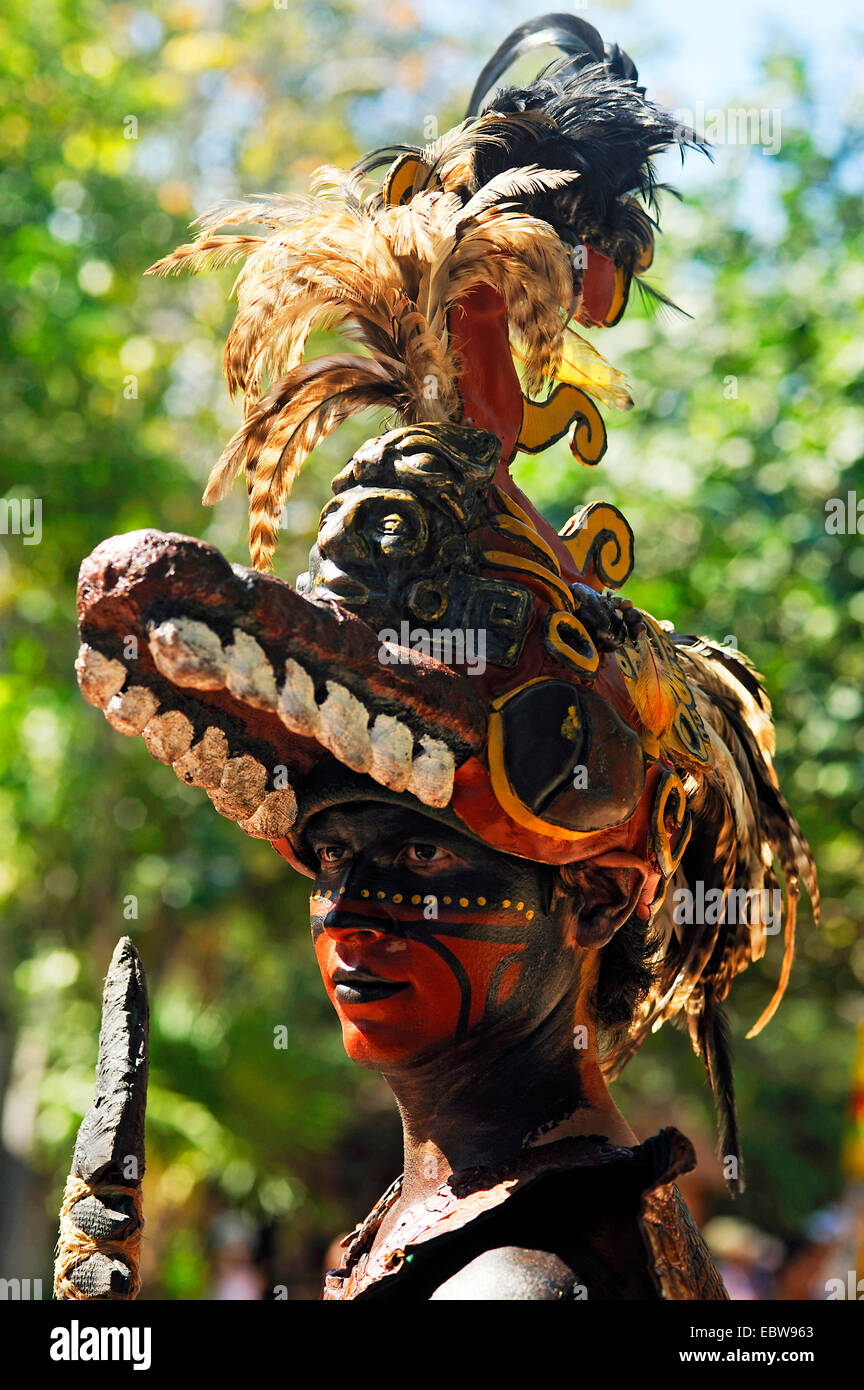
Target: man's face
{"points": [[424, 937]]}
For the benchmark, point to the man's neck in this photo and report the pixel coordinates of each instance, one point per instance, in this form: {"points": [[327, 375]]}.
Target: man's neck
{"points": [[478, 1105]]}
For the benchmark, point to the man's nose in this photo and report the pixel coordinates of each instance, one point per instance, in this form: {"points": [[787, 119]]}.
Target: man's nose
{"points": [[358, 911], [342, 924]]}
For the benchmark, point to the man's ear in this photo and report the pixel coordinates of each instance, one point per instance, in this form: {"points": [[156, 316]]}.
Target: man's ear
{"points": [[601, 899]]}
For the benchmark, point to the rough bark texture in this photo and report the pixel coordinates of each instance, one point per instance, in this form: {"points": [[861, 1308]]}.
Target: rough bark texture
{"points": [[132, 582], [109, 1149]]}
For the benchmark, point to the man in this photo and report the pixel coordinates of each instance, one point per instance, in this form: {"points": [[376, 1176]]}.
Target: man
{"points": [[494, 768], [456, 972]]}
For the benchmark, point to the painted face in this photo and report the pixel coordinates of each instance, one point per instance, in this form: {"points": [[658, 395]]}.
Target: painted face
{"points": [[424, 937]]}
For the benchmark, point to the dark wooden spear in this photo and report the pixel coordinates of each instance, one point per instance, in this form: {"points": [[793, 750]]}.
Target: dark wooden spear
{"points": [[100, 1222]]}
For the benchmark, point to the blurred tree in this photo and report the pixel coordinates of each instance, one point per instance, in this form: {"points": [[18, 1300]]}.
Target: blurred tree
{"points": [[119, 124]]}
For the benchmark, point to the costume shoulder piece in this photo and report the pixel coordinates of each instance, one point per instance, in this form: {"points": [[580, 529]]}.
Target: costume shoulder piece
{"points": [[612, 1214], [445, 643]]}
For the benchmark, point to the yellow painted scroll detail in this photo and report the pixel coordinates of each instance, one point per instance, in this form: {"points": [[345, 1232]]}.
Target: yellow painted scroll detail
{"points": [[670, 786], [620, 295], [524, 531], [407, 176], [566, 408], [559, 595], [562, 624], [624, 277], [600, 540]]}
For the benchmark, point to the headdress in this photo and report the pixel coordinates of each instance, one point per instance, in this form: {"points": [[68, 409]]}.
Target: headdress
{"points": [[583, 730]]}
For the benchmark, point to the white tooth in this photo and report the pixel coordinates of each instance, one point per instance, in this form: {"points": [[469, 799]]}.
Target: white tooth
{"points": [[99, 676], [392, 746], [241, 788], [432, 773], [189, 653], [128, 713], [297, 708], [168, 736], [345, 728], [250, 675], [274, 817], [202, 766]]}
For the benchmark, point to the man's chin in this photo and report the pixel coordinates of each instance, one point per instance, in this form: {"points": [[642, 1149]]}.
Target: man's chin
{"points": [[385, 1048]]}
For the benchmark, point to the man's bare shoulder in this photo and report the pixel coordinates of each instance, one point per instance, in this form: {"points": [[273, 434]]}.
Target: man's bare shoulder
{"points": [[512, 1272]]}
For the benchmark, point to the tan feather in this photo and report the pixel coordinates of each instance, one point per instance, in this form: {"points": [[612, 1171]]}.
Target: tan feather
{"points": [[788, 956], [270, 209], [297, 413], [513, 184], [208, 253], [741, 825]]}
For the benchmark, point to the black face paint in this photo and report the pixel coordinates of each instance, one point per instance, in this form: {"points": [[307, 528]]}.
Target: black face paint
{"points": [[420, 947]]}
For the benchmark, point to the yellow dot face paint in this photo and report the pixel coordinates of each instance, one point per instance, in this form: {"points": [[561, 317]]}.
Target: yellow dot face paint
{"points": [[446, 936]]}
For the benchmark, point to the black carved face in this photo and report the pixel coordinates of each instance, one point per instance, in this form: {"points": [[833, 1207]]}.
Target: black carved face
{"points": [[425, 937], [394, 541]]}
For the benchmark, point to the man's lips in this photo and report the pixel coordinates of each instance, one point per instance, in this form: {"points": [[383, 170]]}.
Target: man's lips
{"points": [[357, 986]]}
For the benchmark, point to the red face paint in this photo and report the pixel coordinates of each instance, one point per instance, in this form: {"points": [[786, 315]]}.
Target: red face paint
{"points": [[415, 962]]}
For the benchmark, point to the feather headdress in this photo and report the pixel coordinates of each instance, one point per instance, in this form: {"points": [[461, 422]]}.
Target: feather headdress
{"points": [[742, 828], [518, 198], [390, 274]]}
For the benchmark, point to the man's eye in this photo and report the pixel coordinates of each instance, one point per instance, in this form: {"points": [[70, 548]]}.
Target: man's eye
{"points": [[332, 854], [423, 854]]}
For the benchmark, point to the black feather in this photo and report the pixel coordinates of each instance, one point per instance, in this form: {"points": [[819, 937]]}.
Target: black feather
{"points": [[655, 299], [573, 36], [716, 1051]]}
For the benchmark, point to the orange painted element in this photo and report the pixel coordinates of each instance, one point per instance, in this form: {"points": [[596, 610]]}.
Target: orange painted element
{"points": [[598, 287], [651, 691], [489, 384], [658, 687], [620, 295]]}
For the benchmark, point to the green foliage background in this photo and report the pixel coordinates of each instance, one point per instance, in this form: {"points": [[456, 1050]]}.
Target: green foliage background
{"points": [[749, 417]]}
